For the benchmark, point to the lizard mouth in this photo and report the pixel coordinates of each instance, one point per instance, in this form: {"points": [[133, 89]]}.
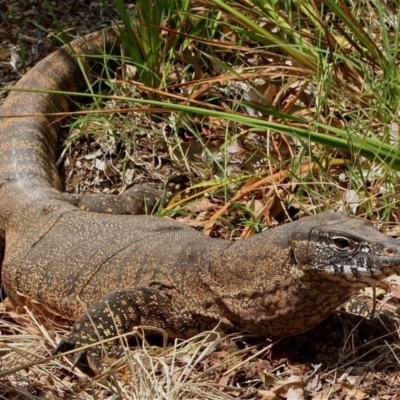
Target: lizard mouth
{"points": [[361, 272]]}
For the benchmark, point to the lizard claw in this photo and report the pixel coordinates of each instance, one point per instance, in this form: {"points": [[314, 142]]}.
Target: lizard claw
{"points": [[92, 355], [77, 359], [62, 347]]}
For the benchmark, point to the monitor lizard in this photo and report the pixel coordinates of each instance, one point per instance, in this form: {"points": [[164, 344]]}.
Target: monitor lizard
{"points": [[111, 273]]}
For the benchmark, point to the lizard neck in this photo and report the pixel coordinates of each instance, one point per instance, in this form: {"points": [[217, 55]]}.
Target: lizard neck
{"points": [[256, 285], [263, 258]]}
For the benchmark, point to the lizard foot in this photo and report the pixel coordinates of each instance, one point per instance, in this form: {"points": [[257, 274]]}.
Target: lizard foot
{"points": [[92, 355], [117, 313]]}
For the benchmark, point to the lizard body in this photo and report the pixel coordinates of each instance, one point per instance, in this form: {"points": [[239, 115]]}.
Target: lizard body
{"points": [[110, 273]]}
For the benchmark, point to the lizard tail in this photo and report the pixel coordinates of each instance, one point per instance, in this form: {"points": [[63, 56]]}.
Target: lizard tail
{"points": [[29, 131]]}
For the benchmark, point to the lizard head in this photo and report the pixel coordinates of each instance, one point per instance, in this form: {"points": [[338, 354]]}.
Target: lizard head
{"points": [[342, 247]]}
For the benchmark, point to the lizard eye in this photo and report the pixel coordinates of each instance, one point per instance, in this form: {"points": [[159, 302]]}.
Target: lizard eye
{"points": [[344, 245]]}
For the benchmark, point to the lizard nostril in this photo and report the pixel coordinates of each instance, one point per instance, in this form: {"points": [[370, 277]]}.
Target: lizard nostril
{"points": [[389, 251]]}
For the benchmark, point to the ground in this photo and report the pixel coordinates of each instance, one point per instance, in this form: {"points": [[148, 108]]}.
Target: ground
{"points": [[346, 357]]}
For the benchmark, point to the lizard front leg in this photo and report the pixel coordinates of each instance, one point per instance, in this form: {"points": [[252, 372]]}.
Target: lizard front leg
{"points": [[119, 312]]}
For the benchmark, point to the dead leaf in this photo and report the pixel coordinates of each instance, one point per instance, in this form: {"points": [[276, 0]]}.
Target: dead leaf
{"points": [[100, 164], [266, 378], [351, 200], [254, 205], [202, 206], [193, 222], [293, 386], [351, 391], [314, 384], [130, 71], [326, 391], [267, 395], [295, 394]]}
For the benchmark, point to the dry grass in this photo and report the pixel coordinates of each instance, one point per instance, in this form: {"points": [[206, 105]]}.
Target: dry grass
{"points": [[199, 368], [344, 356]]}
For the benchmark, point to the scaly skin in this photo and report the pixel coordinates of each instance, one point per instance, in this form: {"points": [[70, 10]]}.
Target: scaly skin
{"points": [[140, 270]]}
